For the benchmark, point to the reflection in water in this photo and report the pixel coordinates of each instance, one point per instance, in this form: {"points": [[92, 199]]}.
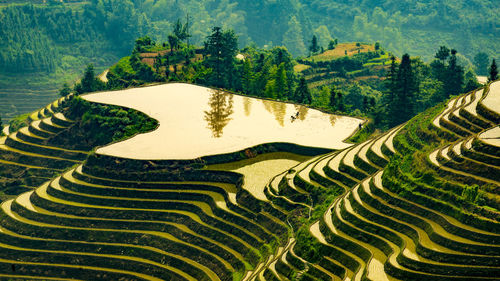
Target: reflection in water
{"points": [[302, 110], [221, 108], [333, 119], [247, 105], [186, 131], [278, 109], [267, 106]]}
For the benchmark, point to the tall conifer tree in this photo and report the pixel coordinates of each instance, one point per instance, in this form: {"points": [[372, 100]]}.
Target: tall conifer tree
{"points": [[455, 76], [493, 72], [404, 103]]}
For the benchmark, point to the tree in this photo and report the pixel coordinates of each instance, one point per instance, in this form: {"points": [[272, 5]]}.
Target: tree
{"points": [[302, 93], [471, 82], [78, 89], [323, 35], [281, 82], [365, 103], [340, 101], [405, 91], [66, 90], [179, 30], [1, 125], [314, 47], [221, 47], [214, 46], [401, 86], [247, 76], [331, 45], [493, 71], [377, 46], [481, 61], [157, 64], [88, 80], [173, 41], [454, 76], [391, 87], [442, 54], [142, 42], [333, 102]]}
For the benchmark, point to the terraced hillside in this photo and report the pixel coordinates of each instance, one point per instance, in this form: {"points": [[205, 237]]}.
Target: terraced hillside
{"points": [[27, 158], [29, 101], [419, 202]]}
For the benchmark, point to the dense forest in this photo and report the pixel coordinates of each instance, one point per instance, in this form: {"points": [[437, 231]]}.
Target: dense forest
{"points": [[48, 42], [65, 32]]}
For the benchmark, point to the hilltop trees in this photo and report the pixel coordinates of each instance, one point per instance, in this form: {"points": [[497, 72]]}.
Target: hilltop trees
{"points": [[405, 91], [89, 82], [470, 81], [442, 54], [281, 82], [302, 93], [314, 47], [454, 79], [446, 69], [401, 89], [266, 73], [388, 100], [143, 42], [414, 85], [439, 64], [179, 33], [65, 90], [221, 47], [173, 42]]}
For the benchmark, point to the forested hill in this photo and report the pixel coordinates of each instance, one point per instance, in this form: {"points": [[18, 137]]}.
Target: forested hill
{"points": [[44, 45], [397, 24]]}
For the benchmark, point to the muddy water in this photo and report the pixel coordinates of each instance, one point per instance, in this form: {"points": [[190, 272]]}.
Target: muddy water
{"points": [[260, 170], [196, 121]]}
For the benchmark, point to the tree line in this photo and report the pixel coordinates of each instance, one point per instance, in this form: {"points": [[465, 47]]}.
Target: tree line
{"points": [[411, 85]]}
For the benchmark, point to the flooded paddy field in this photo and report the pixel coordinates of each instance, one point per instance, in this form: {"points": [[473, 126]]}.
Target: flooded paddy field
{"points": [[260, 170], [198, 121]]}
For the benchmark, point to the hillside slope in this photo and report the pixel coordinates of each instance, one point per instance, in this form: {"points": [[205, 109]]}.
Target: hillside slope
{"points": [[418, 202]]}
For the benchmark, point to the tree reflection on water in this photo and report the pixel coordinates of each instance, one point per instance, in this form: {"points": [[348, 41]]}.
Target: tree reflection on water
{"points": [[278, 109], [221, 108], [302, 110]]}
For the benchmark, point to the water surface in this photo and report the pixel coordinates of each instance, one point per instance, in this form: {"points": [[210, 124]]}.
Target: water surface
{"points": [[258, 171], [197, 121]]}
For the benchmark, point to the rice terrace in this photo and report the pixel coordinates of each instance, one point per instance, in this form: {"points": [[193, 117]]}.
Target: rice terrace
{"points": [[127, 213], [249, 140]]}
